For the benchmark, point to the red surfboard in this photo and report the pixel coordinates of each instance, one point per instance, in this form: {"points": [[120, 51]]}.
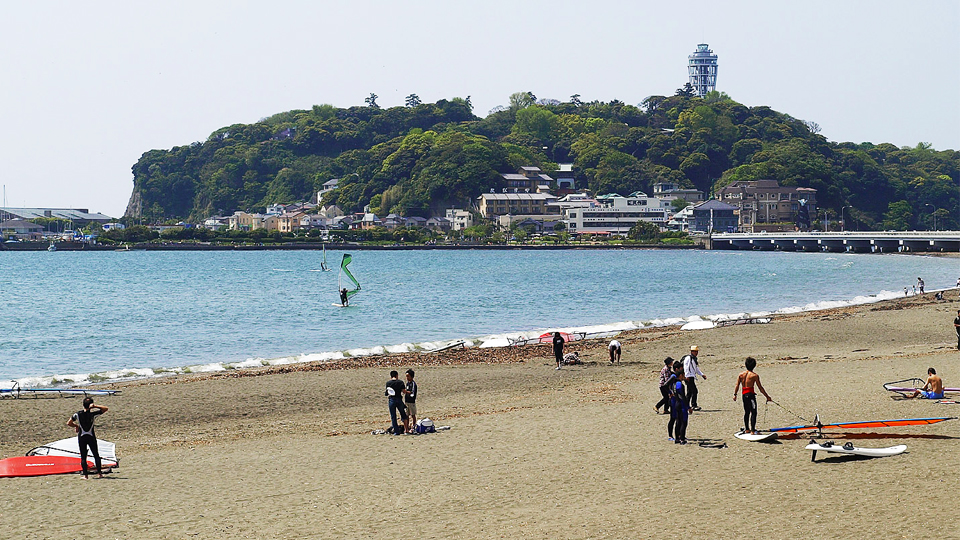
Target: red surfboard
{"points": [[39, 465]]}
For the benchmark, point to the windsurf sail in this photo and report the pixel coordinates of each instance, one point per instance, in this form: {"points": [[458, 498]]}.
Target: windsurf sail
{"points": [[346, 277], [909, 386], [866, 424], [70, 447], [567, 337], [323, 264]]}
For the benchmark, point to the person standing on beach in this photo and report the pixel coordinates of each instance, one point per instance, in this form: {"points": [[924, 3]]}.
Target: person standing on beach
{"points": [[749, 380], [82, 422], [920, 285], [691, 368], [410, 402], [665, 374], [679, 410], [934, 387], [956, 326], [394, 393], [558, 348], [615, 349]]}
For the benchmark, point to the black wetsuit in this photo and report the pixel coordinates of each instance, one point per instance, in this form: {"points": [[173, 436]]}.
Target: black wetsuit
{"points": [[394, 393], [955, 323], [679, 414], [86, 438], [558, 348], [343, 297], [750, 411]]}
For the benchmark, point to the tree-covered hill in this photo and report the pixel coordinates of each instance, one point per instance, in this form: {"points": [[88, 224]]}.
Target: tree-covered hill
{"points": [[419, 159]]}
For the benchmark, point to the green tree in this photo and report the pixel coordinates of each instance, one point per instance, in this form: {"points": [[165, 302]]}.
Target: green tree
{"points": [[898, 216], [644, 231], [413, 100], [371, 101]]}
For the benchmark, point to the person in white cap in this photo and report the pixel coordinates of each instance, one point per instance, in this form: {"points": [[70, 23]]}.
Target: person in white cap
{"points": [[691, 368]]}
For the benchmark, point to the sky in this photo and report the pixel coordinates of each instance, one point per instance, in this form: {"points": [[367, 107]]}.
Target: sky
{"points": [[87, 87]]}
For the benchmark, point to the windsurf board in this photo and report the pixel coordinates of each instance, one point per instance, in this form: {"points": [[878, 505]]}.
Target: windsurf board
{"points": [[698, 325], [756, 437], [853, 450], [38, 466]]}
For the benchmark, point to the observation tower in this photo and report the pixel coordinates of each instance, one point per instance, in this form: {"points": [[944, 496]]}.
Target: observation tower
{"points": [[702, 67]]}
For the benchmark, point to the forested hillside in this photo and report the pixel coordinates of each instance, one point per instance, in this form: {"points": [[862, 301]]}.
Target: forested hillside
{"points": [[418, 159]]}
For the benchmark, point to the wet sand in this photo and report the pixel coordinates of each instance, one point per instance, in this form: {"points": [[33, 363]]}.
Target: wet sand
{"points": [[532, 452]]}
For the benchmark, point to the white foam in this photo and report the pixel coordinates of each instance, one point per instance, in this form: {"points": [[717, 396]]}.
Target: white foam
{"points": [[483, 342]]}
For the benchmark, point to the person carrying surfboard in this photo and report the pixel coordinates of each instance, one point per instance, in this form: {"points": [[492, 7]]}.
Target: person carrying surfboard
{"points": [[749, 380], [82, 421]]}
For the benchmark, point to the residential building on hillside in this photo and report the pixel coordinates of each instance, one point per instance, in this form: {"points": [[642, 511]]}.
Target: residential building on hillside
{"points": [[414, 221], [313, 221], [527, 178], [438, 223], [331, 211], [328, 186], [370, 221], [668, 191], [714, 216], [615, 214], [213, 223], [459, 219], [242, 221], [289, 221], [566, 183], [499, 204], [392, 221], [765, 205]]}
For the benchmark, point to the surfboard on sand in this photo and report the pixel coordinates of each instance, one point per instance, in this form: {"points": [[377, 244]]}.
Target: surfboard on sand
{"points": [[763, 436], [38, 466], [853, 450], [698, 325]]}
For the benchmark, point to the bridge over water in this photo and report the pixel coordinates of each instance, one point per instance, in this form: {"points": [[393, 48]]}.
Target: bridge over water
{"points": [[858, 242]]}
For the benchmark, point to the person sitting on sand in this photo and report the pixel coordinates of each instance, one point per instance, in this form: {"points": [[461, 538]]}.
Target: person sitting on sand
{"points": [[679, 410], [615, 349], [665, 374], [933, 389], [748, 380], [82, 422]]}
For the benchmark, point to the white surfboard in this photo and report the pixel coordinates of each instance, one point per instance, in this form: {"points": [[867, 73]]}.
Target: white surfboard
{"points": [[698, 325], [756, 437], [868, 452]]}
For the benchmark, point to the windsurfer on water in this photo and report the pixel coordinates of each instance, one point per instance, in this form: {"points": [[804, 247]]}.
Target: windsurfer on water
{"points": [[344, 299]]}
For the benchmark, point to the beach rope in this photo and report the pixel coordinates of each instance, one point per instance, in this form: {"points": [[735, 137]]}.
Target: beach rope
{"points": [[788, 411]]}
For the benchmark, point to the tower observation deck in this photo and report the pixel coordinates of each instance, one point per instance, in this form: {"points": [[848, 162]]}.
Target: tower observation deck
{"points": [[702, 67]]}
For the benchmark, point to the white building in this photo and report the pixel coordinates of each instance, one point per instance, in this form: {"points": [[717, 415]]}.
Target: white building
{"points": [[459, 219], [615, 214]]}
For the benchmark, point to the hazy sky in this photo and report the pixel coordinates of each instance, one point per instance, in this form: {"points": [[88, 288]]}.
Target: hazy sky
{"points": [[87, 87]]}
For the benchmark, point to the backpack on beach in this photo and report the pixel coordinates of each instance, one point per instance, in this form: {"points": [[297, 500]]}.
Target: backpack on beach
{"points": [[425, 426]]}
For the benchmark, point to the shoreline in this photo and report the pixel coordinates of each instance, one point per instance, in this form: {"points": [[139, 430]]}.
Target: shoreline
{"points": [[482, 343]]}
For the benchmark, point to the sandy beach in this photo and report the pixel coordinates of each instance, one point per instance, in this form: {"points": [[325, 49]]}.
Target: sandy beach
{"points": [[532, 452]]}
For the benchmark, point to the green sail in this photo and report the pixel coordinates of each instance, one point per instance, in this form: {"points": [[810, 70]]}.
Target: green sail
{"points": [[344, 271]]}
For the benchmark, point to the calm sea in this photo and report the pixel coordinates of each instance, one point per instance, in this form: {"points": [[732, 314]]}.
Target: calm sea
{"points": [[121, 314]]}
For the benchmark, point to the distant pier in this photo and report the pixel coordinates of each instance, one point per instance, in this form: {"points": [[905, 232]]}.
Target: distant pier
{"points": [[839, 242]]}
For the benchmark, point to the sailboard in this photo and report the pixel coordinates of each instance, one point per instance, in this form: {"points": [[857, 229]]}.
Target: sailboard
{"points": [[70, 447], [850, 449], [345, 277], [865, 425], [698, 325], [547, 337], [323, 263], [17, 391], [763, 436], [38, 466], [909, 386]]}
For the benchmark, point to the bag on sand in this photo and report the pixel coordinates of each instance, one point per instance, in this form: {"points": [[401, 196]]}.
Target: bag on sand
{"points": [[425, 426]]}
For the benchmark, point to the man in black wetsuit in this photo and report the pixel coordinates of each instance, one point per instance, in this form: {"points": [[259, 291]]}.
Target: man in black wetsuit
{"points": [[82, 421], [394, 393], [956, 326], [344, 299]]}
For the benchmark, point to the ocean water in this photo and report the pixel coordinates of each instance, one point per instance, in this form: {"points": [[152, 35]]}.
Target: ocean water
{"points": [[76, 317]]}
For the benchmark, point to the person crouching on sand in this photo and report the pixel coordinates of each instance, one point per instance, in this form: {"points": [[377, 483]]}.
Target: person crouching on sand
{"points": [[82, 422], [934, 387], [749, 380]]}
